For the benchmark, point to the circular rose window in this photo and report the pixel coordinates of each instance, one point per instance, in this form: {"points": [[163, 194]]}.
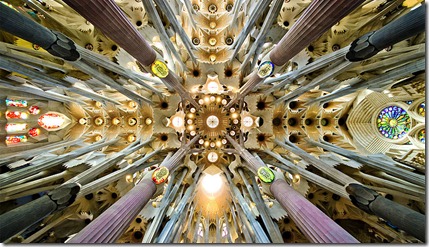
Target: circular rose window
{"points": [[393, 122]]}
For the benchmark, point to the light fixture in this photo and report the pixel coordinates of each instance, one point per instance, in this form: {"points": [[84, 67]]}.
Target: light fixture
{"points": [[212, 157], [212, 121], [247, 121], [148, 121], [177, 122]]}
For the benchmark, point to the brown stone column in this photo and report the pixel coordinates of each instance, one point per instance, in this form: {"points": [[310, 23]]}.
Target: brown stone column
{"points": [[113, 222], [111, 20], [313, 223], [319, 16]]}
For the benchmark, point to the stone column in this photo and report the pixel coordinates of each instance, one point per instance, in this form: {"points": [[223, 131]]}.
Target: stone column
{"points": [[404, 218], [55, 43], [112, 21], [254, 163], [6, 158], [313, 223], [400, 29], [112, 223], [119, 29], [50, 81], [317, 18], [23, 217], [173, 162]]}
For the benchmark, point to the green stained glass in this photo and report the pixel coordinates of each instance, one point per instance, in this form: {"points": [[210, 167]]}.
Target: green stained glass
{"points": [[393, 122], [422, 109], [422, 135]]}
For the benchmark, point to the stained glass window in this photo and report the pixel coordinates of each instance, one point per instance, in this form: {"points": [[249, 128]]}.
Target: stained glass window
{"points": [[15, 127], [16, 102], [34, 110], [33, 132], [422, 135], [50, 121], [393, 122], [422, 109], [15, 139], [16, 115]]}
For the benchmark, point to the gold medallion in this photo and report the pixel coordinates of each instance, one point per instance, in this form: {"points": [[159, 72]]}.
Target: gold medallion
{"points": [[266, 69], [159, 69], [265, 174], [160, 175]]}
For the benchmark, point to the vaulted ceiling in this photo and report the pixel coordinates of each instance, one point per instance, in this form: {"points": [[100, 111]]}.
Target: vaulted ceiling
{"points": [[203, 121]]}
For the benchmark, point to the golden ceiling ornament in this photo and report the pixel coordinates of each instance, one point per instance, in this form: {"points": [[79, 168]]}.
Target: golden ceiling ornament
{"points": [[98, 138], [132, 121], [219, 55], [248, 121], [98, 121], [83, 121], [116, 121], [131, 138], [211, 120], [212, 85], [148, 121], [177, 121], [132, 104]]}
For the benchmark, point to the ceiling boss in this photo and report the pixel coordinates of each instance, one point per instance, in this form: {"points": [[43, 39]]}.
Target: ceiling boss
{"points": [[213, 120]]}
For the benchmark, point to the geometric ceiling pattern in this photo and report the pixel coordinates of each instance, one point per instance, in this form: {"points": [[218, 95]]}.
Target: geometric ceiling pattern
{"points": [[212, 121]]}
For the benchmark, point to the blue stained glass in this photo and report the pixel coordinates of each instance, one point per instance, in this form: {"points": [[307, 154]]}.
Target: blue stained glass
{"points": [[393, 122]]}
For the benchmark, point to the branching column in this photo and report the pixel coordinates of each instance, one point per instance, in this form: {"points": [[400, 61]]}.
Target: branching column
{"points": [[404, 218], [113, 222], [317, 18], [111, 20], [21, 218], [404, 27], [313, 223], [254, 163], [175, 159], [377, 163]]}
